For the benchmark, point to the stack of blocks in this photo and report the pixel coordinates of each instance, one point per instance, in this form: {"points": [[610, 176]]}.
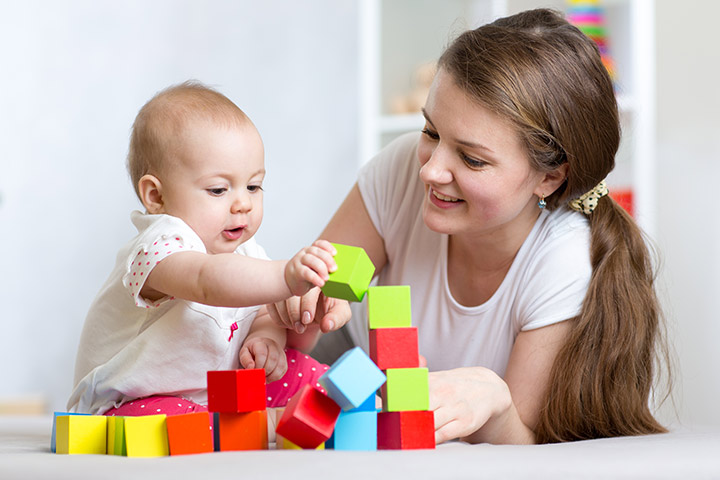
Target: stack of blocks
{"points": [[405, 422], [344, 419]]}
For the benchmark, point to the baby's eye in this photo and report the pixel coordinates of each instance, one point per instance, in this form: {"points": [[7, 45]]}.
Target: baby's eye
{"points": [[217, 191], [254, 188]]}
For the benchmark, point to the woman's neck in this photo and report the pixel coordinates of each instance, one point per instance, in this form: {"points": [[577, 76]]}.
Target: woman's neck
{"points": [[478, 264]]}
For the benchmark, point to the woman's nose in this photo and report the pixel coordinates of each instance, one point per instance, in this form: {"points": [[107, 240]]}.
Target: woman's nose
{"points": [[436, 168]]}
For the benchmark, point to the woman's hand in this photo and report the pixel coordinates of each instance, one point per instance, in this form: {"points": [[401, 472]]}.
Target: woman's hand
{"points": [[475, 404], [266, 353], [297, 313]]}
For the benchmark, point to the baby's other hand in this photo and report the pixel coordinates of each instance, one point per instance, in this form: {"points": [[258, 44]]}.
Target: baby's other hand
{"points": [[310, 267], [264, 353]]}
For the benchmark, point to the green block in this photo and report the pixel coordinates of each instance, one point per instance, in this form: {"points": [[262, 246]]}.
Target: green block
{"points": [[351, 279], [389, 307], [116, 436], [405, 389]]}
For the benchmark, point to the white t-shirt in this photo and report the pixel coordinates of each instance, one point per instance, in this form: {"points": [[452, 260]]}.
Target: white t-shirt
{"points": [[131, 348], [546, 283]]}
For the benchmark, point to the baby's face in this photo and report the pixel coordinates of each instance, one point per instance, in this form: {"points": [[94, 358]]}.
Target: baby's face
{"points": [[215, 183]]}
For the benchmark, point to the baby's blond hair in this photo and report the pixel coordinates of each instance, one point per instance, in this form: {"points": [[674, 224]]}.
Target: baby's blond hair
{"points": [[165, 116]]}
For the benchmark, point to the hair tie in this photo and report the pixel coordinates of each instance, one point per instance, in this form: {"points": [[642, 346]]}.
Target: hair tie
{"points": [[586, 203]]}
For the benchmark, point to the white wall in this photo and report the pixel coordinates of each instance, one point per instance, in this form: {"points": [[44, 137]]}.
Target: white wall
{"points": [[75, 73], [688, 123]]}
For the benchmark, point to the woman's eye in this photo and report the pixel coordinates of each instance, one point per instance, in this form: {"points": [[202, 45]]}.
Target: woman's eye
{"points": [[471, 162], [217, 191], [429, 133], [254, 188]]}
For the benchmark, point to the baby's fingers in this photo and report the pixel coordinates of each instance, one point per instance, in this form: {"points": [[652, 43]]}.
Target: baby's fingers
{"points": [[246, 359]]}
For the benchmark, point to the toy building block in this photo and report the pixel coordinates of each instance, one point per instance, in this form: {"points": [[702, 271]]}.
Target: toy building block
{"points": [[355, 430], [236, 391], [242, 431], [77, 434], [116, 436], [352, 379], [394, 347], [389, 307], [351, 279], [54, 427], [146, 436], [189, 433], [405, 389], [405, 430], [309, 418], [282, 443]]}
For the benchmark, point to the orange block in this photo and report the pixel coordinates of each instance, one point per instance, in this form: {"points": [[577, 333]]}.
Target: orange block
{"points": [[242, 431], [190, 433]]}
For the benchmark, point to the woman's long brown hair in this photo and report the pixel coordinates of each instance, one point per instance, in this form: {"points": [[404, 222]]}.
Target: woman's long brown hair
{"points": [[545, 77]]}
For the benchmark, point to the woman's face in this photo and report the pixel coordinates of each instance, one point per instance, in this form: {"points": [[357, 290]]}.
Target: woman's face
{"points": [[477, 175]]}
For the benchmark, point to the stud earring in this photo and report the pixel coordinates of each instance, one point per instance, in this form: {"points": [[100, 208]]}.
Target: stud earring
{"points": [[542, 202]]}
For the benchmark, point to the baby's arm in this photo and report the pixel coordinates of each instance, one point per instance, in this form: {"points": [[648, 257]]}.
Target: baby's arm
{"points": [[231, 280], [264, 347]]}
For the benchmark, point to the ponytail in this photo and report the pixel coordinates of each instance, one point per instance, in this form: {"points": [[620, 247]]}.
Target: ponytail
{"points": [[603, 376]]}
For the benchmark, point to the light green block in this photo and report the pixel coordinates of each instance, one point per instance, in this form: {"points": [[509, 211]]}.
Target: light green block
{"points": [[351, 279], [81, 434], [389, 307], [405, 389], [116, 436], [146, 436]]}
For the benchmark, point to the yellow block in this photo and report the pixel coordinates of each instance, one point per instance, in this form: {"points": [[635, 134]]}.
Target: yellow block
{"points": [[146, 436], [76, 434], [282, 443]]}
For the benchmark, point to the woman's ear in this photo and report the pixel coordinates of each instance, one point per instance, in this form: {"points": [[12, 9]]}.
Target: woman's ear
{"points": [[552, 181], [150, 190]]}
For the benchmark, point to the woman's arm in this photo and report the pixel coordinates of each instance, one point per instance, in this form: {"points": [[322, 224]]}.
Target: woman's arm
{"points": [[478, 406]]}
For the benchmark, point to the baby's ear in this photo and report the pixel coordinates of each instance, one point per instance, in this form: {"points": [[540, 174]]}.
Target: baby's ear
{"points": [[150, 190]]}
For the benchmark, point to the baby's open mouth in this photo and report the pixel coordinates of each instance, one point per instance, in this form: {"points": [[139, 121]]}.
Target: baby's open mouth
{"points": [[234, 233]]}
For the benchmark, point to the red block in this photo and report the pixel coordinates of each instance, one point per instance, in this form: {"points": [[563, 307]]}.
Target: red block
{"points": [[309, 418], [189, 433], [236, 391], [242, 431], [394, 347], [405, 430]]}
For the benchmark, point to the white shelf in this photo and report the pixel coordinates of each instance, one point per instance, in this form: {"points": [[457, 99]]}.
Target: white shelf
{"points": [[397, 34]]}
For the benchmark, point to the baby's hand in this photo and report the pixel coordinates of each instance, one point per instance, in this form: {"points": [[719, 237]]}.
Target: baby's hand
{"points": [[260, 352], [310, 267]]}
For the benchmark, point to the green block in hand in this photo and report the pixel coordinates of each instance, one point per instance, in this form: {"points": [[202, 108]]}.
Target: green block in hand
{"points": [[352, 278]]}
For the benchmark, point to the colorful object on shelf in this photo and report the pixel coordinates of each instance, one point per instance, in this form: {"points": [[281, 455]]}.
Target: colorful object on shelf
{"points": [[351, 279], [589, 17], [624, 198]]}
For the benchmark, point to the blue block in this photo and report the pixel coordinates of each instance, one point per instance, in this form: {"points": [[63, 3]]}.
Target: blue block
{"points": [[352, 379], [368, 405], [355, 430], [53, 448]]}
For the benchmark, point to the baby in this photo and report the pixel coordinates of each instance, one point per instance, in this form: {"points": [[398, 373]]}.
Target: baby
{"points": [[184, 295]]}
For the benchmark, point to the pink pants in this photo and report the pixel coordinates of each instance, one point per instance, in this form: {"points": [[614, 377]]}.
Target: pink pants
{"points": [[302, 370]]}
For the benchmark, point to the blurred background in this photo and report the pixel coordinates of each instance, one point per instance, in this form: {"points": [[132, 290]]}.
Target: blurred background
{"points": [[328, 83]]}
